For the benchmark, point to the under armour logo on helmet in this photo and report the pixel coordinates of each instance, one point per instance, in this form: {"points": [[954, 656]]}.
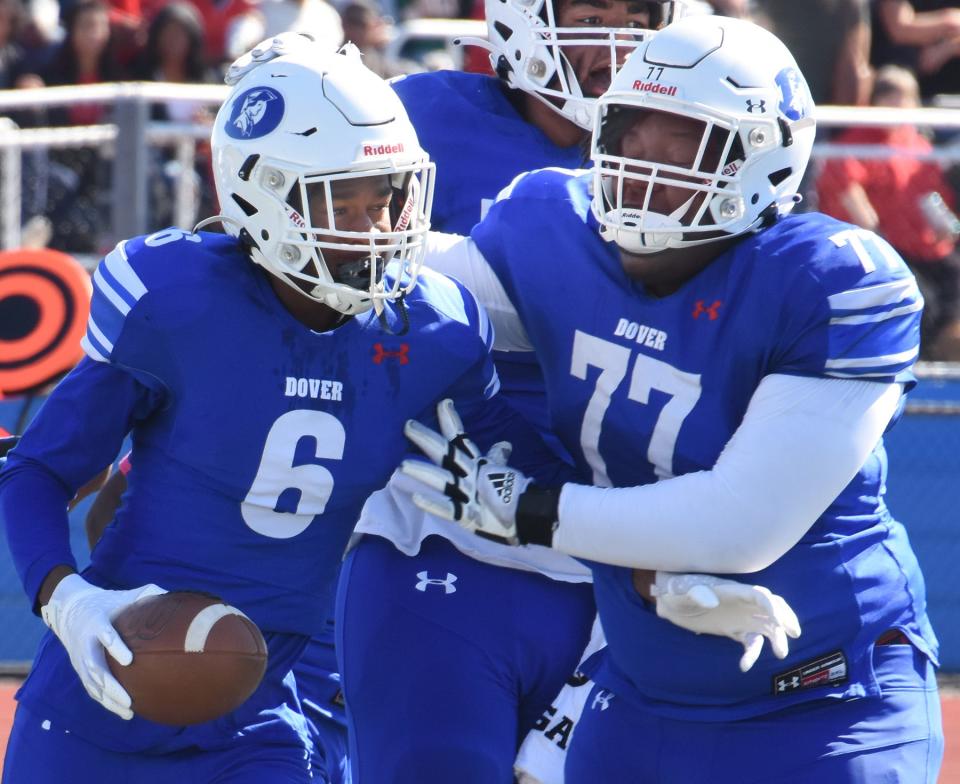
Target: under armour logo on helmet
{"points": [[602, 698], [756, 106], [503, 485], [426, 579]]}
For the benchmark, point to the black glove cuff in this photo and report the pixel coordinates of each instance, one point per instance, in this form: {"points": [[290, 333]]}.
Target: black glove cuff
{"points": [[537, 513]]}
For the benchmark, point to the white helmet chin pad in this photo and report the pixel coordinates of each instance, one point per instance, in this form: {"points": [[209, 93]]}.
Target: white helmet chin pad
{"points": [[640, 233], [312, 127], [753, 117]]}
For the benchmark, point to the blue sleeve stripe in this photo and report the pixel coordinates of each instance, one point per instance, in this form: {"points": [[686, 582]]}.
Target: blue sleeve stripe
{"points": [[871, 318], [485, 327], [101, 340], [111, 283], [492, 388], [103, 287], [92, 350], [105, 314], [886, 360], [884, 294], [120, 271]]}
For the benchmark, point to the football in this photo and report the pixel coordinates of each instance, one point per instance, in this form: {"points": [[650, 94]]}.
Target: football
{"points": [[195, 658]]}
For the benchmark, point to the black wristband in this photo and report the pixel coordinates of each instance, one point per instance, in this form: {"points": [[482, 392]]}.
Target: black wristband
{"points": [[537, 513]]}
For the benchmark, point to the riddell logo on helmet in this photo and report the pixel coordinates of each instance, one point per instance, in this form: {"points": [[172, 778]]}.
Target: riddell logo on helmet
{"points": [[655, 87], [731, 168], [382, 149], [296, 218]]}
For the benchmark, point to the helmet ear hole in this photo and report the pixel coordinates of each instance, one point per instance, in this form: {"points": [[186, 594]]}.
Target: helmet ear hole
{"points": [[243, 204], [779, 176]]}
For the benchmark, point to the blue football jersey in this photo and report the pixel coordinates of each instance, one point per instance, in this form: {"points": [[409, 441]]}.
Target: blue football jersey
{"points": [[255, 439], [477, 139], [480, 143], [645, 388]]}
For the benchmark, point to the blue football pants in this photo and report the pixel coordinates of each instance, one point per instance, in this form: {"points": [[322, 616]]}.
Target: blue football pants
{"points": [[893, 739], [447, 661]]}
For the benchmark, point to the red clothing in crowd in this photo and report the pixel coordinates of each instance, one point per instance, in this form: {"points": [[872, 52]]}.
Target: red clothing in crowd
{"points": [[894, 185], [87, 113], [216, 14]]}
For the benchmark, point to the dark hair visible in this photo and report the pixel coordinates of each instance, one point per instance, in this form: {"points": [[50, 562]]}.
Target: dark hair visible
{"points": [[359, 13], [65, 61], [18, 18], [189, 19], [894, 79]]}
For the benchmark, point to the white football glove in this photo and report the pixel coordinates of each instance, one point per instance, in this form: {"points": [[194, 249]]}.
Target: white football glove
{"points": [[81, 616], [705, 604], [480, 492]]}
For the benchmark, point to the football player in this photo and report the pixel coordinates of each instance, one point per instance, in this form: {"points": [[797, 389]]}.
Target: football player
{"points": [[553, 58], [722, 373], [292, 325]]}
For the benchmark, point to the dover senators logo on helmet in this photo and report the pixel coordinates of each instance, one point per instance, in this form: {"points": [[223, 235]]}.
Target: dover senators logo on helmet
{"points": [[305, 132], [555, 49], [704, 134], [255, 113]]}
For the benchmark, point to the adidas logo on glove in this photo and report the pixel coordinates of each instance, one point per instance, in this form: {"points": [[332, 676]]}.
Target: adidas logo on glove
{"points": [[503, 484]]}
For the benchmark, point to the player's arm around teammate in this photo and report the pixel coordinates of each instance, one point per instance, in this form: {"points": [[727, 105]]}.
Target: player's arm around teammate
{"points": [[748, 360]]}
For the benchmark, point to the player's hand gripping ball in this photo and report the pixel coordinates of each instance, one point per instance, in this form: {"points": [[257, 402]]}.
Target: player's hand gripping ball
{"points": [[194, 657]]}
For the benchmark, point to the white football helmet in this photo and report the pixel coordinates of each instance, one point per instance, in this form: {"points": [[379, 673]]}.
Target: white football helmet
{"points": [[755, 114], [300, 119], [527, 49]]}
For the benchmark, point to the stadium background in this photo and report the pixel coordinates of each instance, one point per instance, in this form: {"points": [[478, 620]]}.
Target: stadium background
{"points": [[142, 154]]}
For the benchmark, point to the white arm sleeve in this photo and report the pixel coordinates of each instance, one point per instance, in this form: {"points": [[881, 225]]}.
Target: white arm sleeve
{"points": [[800, 443], [460, 258]]}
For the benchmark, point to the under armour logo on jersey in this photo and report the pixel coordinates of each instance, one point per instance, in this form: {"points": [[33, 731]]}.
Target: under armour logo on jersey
{"points": [[602, 698], [756, 106], [713, 311], [399, 354], [503, 484], [426, 579], [783, 683]]}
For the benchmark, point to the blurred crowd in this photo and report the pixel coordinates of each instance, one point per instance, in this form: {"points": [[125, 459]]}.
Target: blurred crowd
{"points": [[839, 43], [894, 53]]}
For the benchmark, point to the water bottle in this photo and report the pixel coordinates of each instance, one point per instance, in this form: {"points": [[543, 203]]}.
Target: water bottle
{"points": [[939, 216]]}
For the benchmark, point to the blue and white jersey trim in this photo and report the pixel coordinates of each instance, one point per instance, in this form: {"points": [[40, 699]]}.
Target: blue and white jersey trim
{"points": [[884, 295], [871, 362], [871, 318], [493, 387], [485, 330], [116, 289], [874, 329]]}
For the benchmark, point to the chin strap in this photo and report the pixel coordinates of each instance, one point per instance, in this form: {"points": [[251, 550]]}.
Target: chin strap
{"points": [[404, 318], [224, 219]]}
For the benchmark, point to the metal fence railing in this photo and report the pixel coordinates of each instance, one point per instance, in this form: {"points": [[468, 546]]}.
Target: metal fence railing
{"points": [[147, 174], [144, 168]]}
